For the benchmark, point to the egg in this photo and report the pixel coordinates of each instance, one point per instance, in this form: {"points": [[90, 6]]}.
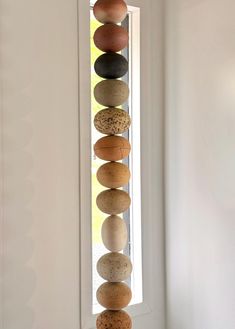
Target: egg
{"points": [[111, 37], [111, 92], [113, 319], [113, 174], [111, 66], [114, 267], [114, 233], [112, 148], [112, 121], [110, 11], [114, 296], [113, 202]]}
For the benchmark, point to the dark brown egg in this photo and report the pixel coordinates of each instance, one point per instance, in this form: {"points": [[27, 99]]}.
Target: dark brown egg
{"points": [[111, 38], [114, 319], [112, 148], [111, 66], [114, 296], [110, 11]]}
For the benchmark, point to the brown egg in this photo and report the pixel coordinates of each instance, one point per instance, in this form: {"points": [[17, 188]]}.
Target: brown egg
{"points": [[112, 121], [110, 11], [113, 319], [112, 148], [114, 296], [114, 267], [111, 38], [113, 202], [114, 233], [111, 92], [113, 174]]}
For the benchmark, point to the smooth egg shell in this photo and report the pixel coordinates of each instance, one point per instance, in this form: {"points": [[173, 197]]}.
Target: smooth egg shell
{"points": [[113, 174], [114, 296], [112, 148], [114, 233], [110, 11], [111, 38]]}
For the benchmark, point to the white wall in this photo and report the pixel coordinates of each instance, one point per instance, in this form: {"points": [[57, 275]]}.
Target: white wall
{"points": [[200, 168], [39, 134]]}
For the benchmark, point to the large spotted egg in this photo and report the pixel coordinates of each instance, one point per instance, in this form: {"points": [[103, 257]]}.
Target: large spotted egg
{"points": [[112, 121]]}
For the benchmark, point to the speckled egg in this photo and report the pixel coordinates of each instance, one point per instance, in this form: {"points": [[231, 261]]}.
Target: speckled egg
{"points": [[114, 233], [114, 296], [114, 267], [113, 319], [111, 37], [110, 11], [113, 202], [111, 92], [111, 66], [113, 174], [112, 148], [112, 121]]}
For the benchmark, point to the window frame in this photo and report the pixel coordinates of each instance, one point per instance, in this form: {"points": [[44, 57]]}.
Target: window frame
{"points": [[151, 311]]}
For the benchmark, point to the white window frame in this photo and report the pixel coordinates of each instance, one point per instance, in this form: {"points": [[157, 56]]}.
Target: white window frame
{"points": [[151, 312]]}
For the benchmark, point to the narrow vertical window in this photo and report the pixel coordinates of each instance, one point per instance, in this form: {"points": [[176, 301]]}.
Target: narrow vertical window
{"points": [[132, 217]]}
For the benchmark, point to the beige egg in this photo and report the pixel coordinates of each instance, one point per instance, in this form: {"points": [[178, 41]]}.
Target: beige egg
{"points": [[111, 92], [113, 319], [114, 296], [114, 233], [113, 174], [114, 267], [112, 121], [112, 148], [113, 201]]}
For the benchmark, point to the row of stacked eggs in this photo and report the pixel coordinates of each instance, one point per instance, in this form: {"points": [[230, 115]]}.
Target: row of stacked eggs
{"points": [[114, 267]]}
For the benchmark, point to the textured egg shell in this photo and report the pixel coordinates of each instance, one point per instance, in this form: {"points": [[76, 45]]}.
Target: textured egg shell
{"points": [[113, 202], [112, 121], [111, 66], [113, 319], [114, 267], [110, 11], [112, 148], [113, 174], [111, 38], [114, 233], [114, 296], [111, 92]]}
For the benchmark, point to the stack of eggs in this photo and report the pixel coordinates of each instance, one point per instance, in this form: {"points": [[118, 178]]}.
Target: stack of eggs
{"points": [[114, 267]]}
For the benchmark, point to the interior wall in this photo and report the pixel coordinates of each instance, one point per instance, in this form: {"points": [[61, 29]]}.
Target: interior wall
{"points": [[39, 142], [200, 162]]}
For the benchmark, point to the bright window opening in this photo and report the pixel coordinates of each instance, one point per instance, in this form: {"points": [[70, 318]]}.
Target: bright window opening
{"points": [[133, 216]]}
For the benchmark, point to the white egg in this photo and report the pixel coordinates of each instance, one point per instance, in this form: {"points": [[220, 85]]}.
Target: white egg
{"points": [[114, 233]]}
